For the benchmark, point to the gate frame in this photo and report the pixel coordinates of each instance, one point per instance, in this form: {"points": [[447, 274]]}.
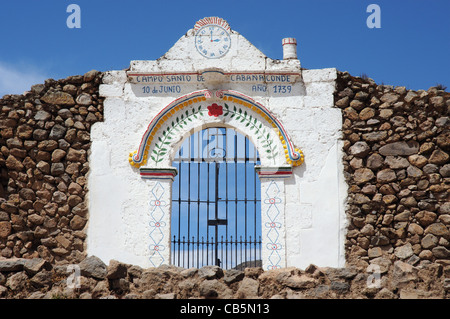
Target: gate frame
{"points": [[225, 158], [226, 108]]}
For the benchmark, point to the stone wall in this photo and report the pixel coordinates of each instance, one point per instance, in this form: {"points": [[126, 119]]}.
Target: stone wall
{"points": [[45, 141], [396, 144], [37, 279]]}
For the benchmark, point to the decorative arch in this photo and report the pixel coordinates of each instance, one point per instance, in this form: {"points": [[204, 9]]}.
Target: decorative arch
{"points": [[224, 108]]}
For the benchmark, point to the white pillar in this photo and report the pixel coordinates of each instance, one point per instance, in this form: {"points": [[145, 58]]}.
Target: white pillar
{"points": [[159, 212], [273, 200]]}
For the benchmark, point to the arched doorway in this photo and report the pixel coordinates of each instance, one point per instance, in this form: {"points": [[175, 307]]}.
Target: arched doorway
{"points": [[216, 201]]}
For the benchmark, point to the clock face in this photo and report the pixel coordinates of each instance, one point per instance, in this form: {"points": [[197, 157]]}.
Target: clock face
{"points": [[212, 41]]}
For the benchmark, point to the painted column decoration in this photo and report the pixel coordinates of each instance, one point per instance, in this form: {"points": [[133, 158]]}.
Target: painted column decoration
{"points": [[273, 237], [160, 200]]}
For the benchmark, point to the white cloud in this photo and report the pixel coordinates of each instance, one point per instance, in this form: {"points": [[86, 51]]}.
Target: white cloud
{"points": [[18, 79]]}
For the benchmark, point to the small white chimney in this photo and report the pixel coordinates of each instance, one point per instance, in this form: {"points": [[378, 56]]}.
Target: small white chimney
{"points": [[289, 48]]}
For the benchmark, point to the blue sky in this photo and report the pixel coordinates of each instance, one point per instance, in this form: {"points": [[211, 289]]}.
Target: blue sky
{"points": [[412, 47]]}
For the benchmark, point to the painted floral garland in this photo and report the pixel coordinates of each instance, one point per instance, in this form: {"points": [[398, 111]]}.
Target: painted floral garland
{"points": [[170, 131], [253, 124], [294, 156]]}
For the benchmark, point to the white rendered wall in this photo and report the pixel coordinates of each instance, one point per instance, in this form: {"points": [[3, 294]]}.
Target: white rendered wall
{"points": [[313, 198]]}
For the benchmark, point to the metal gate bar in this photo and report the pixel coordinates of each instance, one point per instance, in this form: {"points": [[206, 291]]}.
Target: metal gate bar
{"points": [[207, 153]]}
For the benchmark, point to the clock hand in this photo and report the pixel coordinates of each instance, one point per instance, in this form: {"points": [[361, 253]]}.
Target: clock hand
{"points": [[216, 40]]}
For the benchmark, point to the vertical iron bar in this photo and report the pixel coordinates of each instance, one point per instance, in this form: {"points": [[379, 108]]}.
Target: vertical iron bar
{"points": [[207, 205], [254, 197], [245, 195], [189, 198], [198, 191], [183, 251], [216, 214], [179, 204], [226, 195], [235, 194]]}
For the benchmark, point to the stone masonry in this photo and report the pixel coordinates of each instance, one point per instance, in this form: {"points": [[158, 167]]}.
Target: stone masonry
{"points": [[45, 143]]}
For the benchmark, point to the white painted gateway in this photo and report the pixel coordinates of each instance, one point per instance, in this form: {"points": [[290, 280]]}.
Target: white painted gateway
{"points": [[213, 78]]}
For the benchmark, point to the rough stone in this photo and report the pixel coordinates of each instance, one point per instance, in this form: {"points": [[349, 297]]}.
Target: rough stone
{"points": [[60, 98], [375, 161], [214, 289], [360, 149], [389, 98], [396, 162], [363, 175], [403, 274], [116, 270], [93, 267], [438, 157], [5, 229], [404, 251], [248, 288], [9, 265], [386, 176], [437, 229], [375, 136], [429, 241], [233, 275], [441, 252], [13, 163], [57, 132], [210, 272], [425, 218], [400, 148], [17, 282], [84, 99], [42, 116]]}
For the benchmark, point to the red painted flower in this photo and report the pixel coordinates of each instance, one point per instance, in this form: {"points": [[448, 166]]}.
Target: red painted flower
{"points": [[215, 110]]}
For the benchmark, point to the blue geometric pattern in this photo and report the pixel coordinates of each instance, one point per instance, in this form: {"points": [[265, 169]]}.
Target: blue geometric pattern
{"points": [[157, 225], [272, 213]]}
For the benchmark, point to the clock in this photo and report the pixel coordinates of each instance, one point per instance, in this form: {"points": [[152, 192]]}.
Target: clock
{"points": [[212, 41]]}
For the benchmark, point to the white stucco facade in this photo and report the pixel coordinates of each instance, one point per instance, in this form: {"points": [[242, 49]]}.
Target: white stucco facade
{"points": [[131, 176]]}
